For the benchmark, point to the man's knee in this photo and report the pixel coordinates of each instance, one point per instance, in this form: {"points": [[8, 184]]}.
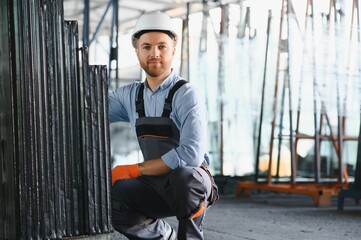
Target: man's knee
{"points": [[185, 190], [122, 212]]}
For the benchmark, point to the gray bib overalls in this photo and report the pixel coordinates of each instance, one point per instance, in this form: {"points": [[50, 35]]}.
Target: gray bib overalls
{"points": [[140, 204]]}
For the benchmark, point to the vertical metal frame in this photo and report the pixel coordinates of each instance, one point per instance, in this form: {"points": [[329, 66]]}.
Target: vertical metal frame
{"points": [[86, 23], [262, 101], [113, 43], [45, 190]]}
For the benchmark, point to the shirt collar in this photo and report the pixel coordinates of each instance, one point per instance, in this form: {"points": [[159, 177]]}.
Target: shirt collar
{"points": [[165, 84]]}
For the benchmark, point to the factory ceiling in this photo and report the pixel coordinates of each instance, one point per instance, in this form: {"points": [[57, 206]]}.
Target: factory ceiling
{"points": [[101, 11]]}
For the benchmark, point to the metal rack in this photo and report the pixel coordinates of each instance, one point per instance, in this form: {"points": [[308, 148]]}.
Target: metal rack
{"points": [[320, 190], [354, 189]]}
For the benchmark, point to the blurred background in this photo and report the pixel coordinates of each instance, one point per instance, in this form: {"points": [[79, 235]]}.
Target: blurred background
{"points": [[266, 70]]}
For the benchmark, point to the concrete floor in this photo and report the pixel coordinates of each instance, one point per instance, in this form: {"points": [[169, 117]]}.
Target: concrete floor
{"points": [[275, 216]]}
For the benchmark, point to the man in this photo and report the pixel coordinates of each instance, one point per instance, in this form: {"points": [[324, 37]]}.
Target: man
{"points": [[171, 126]]}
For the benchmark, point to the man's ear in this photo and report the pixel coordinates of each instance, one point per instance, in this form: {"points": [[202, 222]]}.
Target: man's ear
{"points": [[136, 51]]}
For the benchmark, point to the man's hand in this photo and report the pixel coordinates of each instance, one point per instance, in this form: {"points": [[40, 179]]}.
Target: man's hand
{"points": [[125, 172], [150, 167]]}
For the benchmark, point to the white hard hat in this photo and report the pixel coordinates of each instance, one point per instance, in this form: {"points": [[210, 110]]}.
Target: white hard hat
{"points": [[153, 22]]}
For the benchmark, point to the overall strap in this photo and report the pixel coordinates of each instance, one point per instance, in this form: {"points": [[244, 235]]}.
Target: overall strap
{"points": [[139, 103], [168, 101]]}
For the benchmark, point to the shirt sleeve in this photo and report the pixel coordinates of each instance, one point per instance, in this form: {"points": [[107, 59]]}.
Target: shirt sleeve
{"points": [[116, 103], [189, 114]]}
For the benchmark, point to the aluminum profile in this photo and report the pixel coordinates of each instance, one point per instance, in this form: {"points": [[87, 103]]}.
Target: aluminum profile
{"points": [[55, 152]]}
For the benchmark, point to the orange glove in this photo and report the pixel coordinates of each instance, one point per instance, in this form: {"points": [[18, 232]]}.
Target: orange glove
{"points": [[125, 172]]}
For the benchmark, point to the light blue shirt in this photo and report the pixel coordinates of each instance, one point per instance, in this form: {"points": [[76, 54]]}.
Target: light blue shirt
{"points": [[188, 113]]}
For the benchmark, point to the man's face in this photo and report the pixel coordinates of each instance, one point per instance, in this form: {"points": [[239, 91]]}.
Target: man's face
{"points": [[155, 52]]}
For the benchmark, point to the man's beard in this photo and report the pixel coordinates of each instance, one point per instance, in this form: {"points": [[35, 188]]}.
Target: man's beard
{"points": [[154, 72]]}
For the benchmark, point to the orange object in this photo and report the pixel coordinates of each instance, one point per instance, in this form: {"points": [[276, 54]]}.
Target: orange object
{"points": [[125, 172], [199, 212]]}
